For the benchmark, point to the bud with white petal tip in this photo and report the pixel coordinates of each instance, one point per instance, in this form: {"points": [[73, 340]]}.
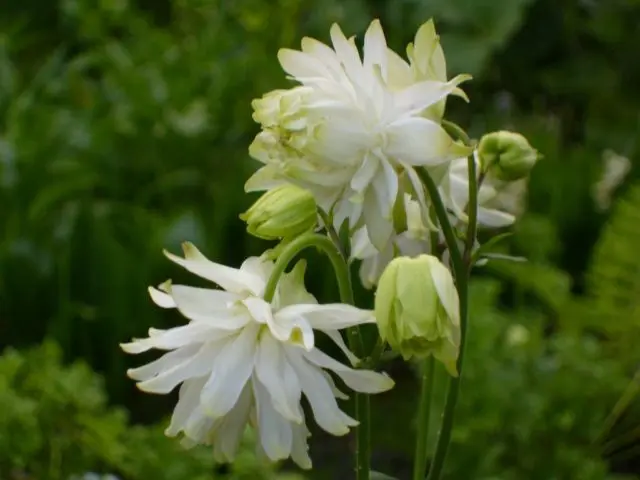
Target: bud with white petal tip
{"points": [[507, 155], [417, 311], [282, 212]]}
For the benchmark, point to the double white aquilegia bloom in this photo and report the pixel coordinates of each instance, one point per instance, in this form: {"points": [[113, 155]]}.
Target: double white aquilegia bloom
{"points": [[354, 125], [243, 360]]}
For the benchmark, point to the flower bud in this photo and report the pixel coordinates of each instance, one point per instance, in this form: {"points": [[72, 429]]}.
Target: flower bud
{"points": [[508, 155], [284, 211], [417, 312]]}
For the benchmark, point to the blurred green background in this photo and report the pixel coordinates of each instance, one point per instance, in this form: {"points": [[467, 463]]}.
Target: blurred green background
{"points": [[124, 128]]}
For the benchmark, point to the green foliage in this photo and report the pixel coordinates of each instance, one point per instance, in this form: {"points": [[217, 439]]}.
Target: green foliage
{"points": [[56, 423], [124, 127], [532, 406]]}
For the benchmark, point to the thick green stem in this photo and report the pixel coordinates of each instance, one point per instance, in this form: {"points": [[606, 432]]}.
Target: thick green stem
{"points": [[461, 270], [356, 344], [424, 411]]}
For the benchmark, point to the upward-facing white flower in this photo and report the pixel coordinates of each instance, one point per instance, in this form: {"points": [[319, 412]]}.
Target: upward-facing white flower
{"points": [[242, 360], [353, 125]]}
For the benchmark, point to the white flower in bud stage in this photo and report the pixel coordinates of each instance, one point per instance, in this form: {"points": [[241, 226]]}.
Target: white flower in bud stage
{"points": [[499, 202], [354, 125], [242, 360], [411, 242]]}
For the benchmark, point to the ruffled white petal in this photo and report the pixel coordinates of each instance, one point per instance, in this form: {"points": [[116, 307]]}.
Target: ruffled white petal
{"points": [[364, 381], [334, 316], [230, 279], [230, 372]]}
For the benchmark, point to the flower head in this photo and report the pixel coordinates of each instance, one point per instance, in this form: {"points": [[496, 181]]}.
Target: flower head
{"points": [[243, 360], [354, 124], [417, 309]]}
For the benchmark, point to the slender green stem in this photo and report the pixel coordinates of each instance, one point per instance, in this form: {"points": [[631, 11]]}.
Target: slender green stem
{"points": [[461, 272], [473, 211], [443, 219], [356, 344], [424, 411], [452, 393]]}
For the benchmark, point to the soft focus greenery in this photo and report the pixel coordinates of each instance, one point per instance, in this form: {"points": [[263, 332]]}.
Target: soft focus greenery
{"points": [[124, 129]]}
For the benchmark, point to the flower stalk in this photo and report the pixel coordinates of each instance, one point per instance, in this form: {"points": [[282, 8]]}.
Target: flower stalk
{"points": [[343, 277]]}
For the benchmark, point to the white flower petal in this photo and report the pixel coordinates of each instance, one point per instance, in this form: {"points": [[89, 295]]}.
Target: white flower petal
{"points": [[421, 95], [162, 299], [347, 53], [379, 228], [231, 279], [299, 447], [209, 306], [323, 404], [364, 381], [278, 378], [334, 316], [494, 218], [301, 65], [230, 372], [275, 432], [375, 48], [231, 427], [195, 366], [265, 178], [420, 141], [173, 338], [189, 398], [151, 369], [336, 337]]}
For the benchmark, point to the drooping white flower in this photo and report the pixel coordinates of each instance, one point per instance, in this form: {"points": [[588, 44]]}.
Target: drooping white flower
{"points": [[412, 241], [615, 169], [499, 202], [354, 124], [242, 360]]}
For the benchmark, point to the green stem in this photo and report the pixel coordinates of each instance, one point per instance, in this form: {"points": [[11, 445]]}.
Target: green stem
{"points": [[473, 211], [461, 272], [452, 393], [443, 219], [354, 337], [424, 411]]}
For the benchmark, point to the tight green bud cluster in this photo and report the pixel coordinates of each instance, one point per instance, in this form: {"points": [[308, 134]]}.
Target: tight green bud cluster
{"points": [[282, 212], [507, 155], [417, 309]]}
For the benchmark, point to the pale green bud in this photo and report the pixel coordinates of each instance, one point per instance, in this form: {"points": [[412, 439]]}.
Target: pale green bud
{"points": [[282, 212], [507, 155], [417, 311]]}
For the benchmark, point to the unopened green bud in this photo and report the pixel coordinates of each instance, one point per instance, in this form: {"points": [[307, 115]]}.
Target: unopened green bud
{"points": [[508, 155], [417, 311], [282, 212]]}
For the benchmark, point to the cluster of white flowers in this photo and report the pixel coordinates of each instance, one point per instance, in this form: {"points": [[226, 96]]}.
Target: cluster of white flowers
{"points": [[348, 138]]}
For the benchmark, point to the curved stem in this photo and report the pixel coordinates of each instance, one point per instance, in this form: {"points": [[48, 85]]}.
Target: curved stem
{"points": [[424, 411], [341, 270]]}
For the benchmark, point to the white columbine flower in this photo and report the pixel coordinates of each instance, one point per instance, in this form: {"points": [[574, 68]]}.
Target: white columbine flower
{"points": [[499, 202], [411, 242], [354, 124], [241, 359]]}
